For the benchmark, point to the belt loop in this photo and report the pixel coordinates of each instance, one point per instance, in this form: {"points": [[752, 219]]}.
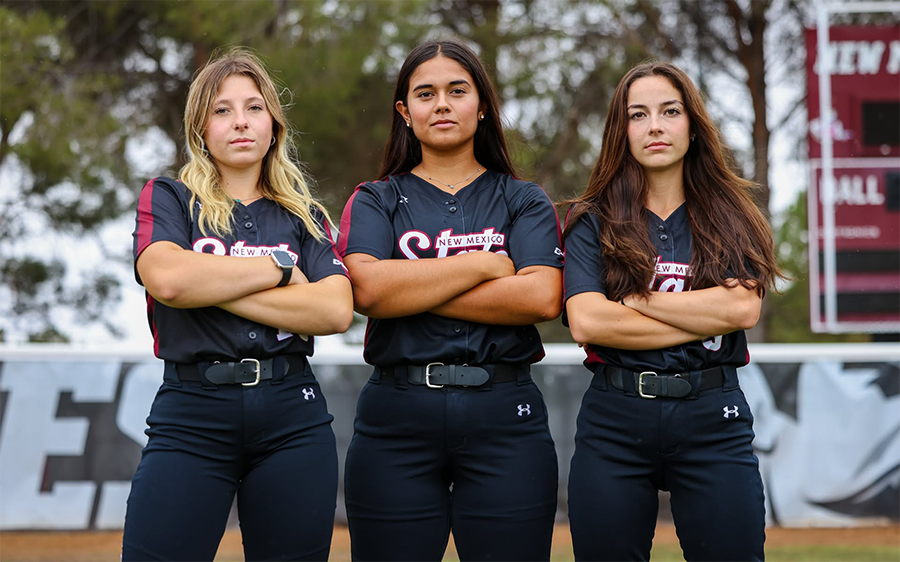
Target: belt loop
{"points": [[292, 366], [375, 378], [599, 379], [523, 374], [170, 374], [695, 379], [489, 385], [202, 366], [280, 366], [401, 376], [731, 378], [628, 384]]}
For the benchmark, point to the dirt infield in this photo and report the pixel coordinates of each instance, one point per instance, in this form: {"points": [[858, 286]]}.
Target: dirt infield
{"points": [[99, 546]]}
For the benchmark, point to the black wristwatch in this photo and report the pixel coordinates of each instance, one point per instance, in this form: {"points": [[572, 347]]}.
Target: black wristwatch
{"points": [[284, 261]]}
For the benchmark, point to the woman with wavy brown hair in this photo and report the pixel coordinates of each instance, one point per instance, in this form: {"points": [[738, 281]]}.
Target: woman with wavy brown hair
{"points": [[667, 261]]}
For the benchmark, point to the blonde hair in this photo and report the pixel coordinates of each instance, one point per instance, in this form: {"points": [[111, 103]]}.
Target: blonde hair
{"points": [[281, 179]]}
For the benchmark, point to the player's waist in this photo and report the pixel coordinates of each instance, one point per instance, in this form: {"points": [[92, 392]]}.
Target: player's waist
{"points": [[437, 375], [247, 371], [652, 384]]}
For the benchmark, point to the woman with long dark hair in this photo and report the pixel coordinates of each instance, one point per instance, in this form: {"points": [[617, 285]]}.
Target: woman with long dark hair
{"points": [[453, 260], [667, 261]]}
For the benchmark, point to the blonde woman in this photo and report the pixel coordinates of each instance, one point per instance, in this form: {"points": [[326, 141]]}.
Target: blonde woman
{"points": [[240, 271]]}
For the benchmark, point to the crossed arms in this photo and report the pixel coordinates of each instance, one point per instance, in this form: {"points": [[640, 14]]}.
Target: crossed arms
{"points": [[663, 319], [476, 286], [245, 287]]}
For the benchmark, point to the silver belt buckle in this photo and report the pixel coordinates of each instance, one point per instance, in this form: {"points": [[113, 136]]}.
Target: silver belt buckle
{"points": [[640, 387], [428, 374], [256, 362]]}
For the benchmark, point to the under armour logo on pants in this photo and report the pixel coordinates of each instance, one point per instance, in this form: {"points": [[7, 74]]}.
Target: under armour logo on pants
{"points": [[308, 393], [524, 410], [729, 413]]}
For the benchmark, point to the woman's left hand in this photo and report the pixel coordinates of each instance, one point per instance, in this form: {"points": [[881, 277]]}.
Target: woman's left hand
{"points": [[297, 277]]}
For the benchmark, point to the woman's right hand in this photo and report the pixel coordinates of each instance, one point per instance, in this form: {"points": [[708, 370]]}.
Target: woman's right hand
{"points": [[493, 265], [297, 277]]}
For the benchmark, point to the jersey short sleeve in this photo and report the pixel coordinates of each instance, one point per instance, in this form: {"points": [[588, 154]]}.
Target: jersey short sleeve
{"points": [[319, 258], [162, 215], [584, 271], [534, 237], [366, 224]]}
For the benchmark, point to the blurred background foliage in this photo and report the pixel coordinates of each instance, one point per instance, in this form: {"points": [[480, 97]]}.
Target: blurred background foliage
{"points": [[92, 94]]}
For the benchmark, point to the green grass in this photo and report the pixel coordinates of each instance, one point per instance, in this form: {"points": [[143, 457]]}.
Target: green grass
{"points": [[793, 553]]}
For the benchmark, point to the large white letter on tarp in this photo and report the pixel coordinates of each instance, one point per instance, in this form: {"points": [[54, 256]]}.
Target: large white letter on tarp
{"points": [[31, 432]]}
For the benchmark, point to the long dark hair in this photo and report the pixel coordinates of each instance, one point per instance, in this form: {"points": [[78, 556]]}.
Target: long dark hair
{"points": [[403, 151], [729, 231]]}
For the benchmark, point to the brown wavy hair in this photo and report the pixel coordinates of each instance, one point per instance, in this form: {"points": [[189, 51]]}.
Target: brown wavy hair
{"points": [[729, 231]]}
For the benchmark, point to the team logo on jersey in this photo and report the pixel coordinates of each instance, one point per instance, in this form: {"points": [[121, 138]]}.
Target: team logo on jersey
{"points": [[447, 241], [239, 249], [524, 410], [403, 199], [335, 261], [671, 277], [558, 252], [309, 394], [729, 413]]}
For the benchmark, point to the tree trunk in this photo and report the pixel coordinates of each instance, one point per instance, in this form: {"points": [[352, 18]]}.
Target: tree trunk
{"points": [[751, 56]]}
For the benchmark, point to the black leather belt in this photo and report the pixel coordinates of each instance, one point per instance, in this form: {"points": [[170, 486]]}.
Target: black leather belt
{"points": [[650, 385], [247, 372], [436, 375]]}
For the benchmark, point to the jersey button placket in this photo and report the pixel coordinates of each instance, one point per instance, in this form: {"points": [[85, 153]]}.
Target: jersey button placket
{"points": [[459, 227], [249, 228], [667, 246]]}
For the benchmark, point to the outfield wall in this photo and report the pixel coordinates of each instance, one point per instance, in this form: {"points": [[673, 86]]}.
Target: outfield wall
{"points": [[826, 417]]}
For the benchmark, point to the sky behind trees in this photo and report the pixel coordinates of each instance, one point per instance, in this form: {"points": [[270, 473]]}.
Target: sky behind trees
{"points": [[93, 94]]}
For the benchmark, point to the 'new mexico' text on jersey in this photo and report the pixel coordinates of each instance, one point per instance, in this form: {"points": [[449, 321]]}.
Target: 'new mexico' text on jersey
{"points": [[189, 335], [586, 272], [405, 217]]}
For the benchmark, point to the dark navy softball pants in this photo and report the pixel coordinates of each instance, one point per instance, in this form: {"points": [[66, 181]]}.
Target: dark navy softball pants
{"points": [[272, 444], [478, 460], [627, 448]]}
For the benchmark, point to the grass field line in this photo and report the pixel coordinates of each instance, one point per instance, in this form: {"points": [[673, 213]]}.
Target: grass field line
{"points": [[873, 544]]}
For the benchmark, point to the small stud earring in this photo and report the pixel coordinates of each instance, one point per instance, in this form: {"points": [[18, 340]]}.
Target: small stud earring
{"points": [[481, 116], [693, 137], [407, 124]]}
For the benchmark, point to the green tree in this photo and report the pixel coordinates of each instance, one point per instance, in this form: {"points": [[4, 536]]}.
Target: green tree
{"points": [[83, 82], [59, 145], [93, 94]]}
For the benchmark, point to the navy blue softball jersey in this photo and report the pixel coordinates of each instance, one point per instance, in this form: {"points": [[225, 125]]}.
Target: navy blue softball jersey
{"points": [[585, 272], [405, 217], [212, 334]]}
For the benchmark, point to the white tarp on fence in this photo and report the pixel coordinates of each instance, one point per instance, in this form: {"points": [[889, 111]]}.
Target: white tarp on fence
{"points": [[827, 423]]}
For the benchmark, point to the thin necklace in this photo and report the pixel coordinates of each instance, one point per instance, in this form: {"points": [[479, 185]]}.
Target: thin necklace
{"points": [[451, 185], [245, 201]]}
